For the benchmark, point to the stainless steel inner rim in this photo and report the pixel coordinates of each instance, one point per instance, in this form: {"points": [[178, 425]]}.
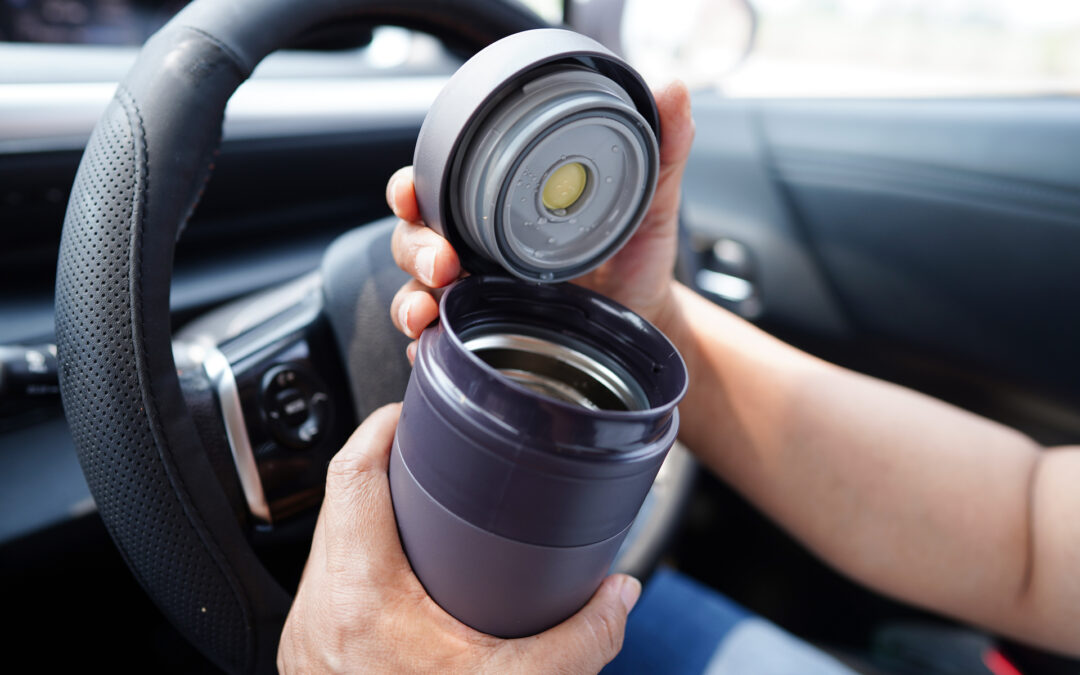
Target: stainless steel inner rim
{"points": [[558, 371]]}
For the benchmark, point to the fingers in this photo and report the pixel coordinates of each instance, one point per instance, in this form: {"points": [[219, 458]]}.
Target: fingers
{"points": [[424, 254], [587, 641], [676, 138], [676, 123], [401, 196], [413, 308], [417, 249]]}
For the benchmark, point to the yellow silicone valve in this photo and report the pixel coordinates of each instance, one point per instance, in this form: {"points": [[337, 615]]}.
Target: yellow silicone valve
{"points": [[564, 186]]}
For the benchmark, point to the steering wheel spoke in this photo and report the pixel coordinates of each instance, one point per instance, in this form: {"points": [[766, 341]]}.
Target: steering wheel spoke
{"points": [[270, 365]]}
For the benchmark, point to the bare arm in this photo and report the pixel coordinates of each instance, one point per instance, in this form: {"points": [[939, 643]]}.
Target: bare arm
{"points": [[904, 493]]}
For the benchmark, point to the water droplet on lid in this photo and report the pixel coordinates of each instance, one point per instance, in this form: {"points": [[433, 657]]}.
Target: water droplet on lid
{"points": [[522, 200], [614, 148], [573, 221], [541, 221], [547, 276], [608, 179], [559, 212], [551, 240]]}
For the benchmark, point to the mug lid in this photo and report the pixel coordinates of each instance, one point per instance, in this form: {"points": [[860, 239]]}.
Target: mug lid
{"points": [[539, 157]]}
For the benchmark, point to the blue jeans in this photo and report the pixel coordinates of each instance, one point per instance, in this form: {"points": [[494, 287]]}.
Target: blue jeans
{"points": [[681, 627]]}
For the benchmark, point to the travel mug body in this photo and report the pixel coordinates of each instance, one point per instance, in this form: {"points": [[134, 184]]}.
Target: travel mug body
{"points": [[534, 423]]}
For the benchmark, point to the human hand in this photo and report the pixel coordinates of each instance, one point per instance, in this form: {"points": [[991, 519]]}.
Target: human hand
{"points": [[360, 608], [639, 276]]}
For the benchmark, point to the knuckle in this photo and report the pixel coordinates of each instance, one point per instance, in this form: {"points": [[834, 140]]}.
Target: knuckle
{"points": [[343, 471], [340, 465], [395, 307], [351, 477], [398, 233], [606, 633], [401, 245]]}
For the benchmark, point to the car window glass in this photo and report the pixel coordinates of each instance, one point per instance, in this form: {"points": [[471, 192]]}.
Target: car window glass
{"points": [[872, 48]]}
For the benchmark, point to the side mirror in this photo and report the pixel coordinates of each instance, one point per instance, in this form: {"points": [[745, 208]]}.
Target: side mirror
{"points": [[698, 41]]}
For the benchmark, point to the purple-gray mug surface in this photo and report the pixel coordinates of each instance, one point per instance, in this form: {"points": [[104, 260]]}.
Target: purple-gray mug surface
{"points": [[534, 423]]}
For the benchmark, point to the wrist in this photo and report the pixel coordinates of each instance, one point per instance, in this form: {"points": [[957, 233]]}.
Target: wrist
{"points": [[671, 317], [668, 315]]}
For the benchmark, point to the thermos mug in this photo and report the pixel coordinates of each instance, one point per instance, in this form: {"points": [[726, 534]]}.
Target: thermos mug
{"points": [[538, 413]]}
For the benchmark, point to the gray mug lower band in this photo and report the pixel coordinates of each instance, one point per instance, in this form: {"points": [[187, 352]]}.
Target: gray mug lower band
{"points": [[496, 585]]}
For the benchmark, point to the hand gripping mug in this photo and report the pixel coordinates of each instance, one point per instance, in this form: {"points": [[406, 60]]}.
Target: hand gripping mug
{"points": [[538, 413]]}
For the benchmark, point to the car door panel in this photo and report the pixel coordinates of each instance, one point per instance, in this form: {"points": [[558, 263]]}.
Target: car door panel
{"points": [[729, 192], [949, 230]]}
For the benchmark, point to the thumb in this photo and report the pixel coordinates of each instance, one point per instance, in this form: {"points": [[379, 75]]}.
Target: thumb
{"points": [[357, 518], [587, 641], [364, 457]]}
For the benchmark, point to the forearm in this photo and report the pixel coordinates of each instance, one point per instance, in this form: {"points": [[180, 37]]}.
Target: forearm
{"points": [[902, 492]]}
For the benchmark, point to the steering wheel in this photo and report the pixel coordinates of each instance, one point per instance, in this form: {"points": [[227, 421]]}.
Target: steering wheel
{"points": [[194, 450]]}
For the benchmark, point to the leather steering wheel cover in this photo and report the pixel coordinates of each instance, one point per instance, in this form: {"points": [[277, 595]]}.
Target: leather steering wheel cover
{"points": [[140, 178]]}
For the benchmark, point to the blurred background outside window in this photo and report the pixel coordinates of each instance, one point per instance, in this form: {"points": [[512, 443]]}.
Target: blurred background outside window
{"points": [[858, 48], [747, 48]]}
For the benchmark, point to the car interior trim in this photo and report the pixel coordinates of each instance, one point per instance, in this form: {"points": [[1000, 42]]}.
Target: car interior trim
{"points": [[60, 116], [727, 286], [217, 368]]}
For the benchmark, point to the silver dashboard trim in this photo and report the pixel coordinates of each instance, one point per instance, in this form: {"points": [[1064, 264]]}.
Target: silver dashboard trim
{"points": [[217, 369], [60, 115]]}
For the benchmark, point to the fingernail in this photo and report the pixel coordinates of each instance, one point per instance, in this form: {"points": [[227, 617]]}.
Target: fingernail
{"points": [[425, 264], [410, 352], [391, 193], [629, 592], [403, 317]]}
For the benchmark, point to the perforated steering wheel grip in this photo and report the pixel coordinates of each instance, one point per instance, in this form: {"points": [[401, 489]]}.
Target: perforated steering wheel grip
{"points": [[143, 171]]}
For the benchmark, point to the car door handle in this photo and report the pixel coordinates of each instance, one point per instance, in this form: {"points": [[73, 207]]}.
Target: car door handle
{"points": [[727, 286], [726, 275]]}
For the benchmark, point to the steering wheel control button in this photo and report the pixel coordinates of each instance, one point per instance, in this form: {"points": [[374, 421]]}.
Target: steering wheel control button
{"points": [[539, 157], [292, 406], [295, 406]]}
